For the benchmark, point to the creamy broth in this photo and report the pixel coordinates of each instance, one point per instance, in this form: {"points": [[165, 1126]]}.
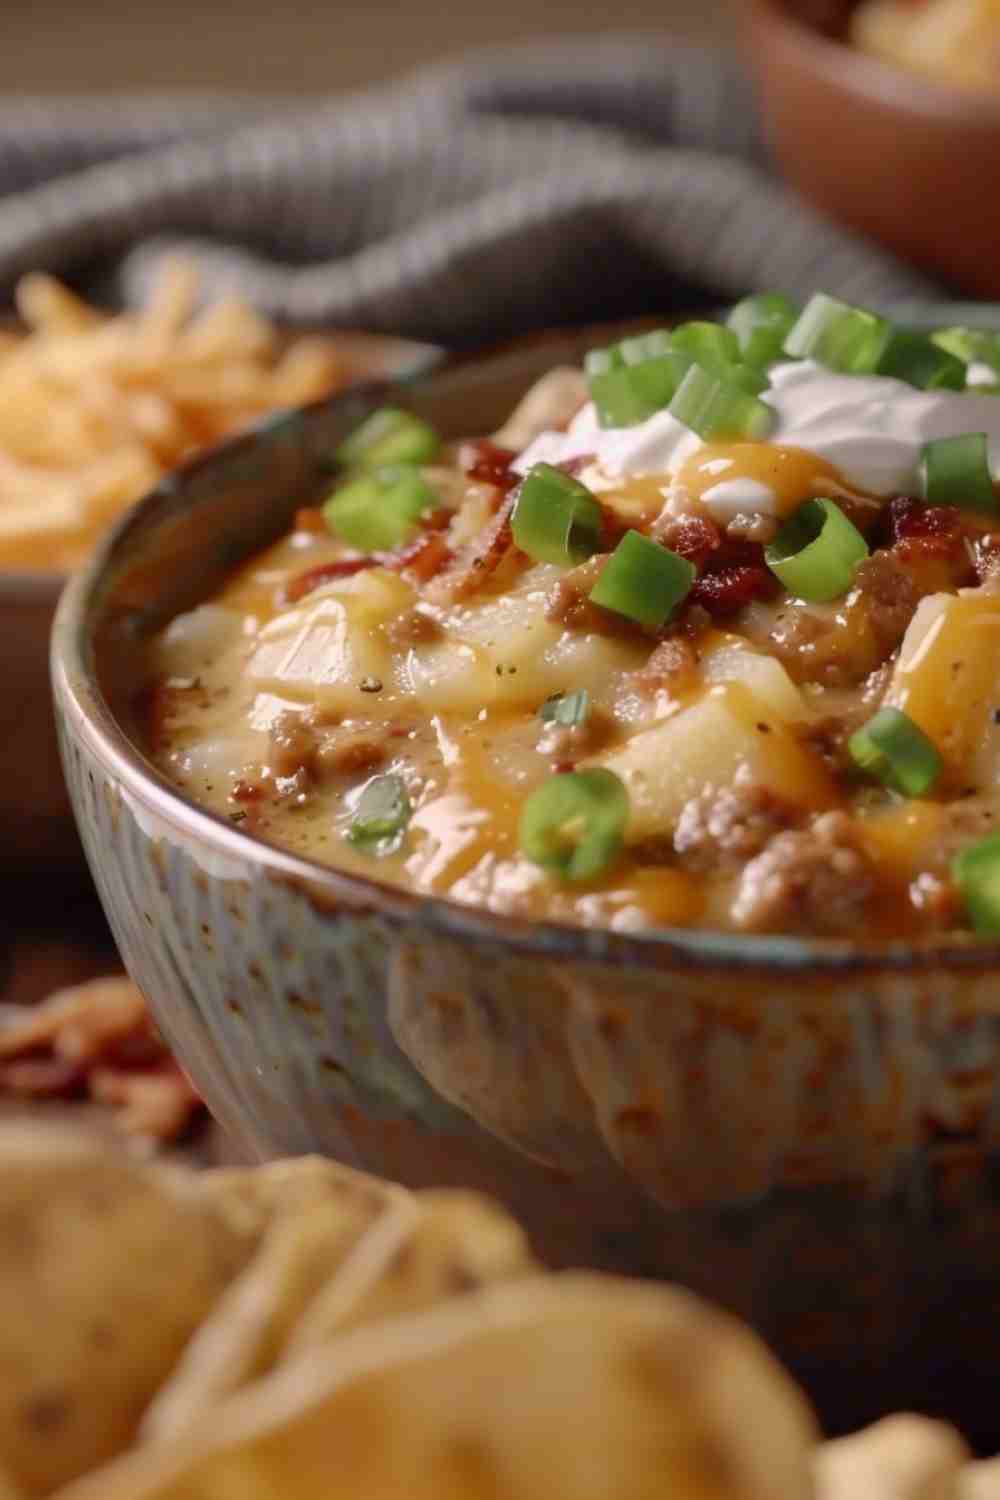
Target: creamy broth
{"points": [[318, 670]]}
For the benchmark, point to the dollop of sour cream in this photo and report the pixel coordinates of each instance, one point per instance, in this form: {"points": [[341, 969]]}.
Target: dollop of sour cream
{"points": [[869, 428]]}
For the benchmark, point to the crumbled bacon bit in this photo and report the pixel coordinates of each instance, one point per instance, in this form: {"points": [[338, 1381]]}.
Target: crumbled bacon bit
{"points": [[97, 1039], [310, 518], [731, 569], [487, 462], [313, 578], [424, 557], [731, 588], [923, 529], [694, 537], [477, 560]]}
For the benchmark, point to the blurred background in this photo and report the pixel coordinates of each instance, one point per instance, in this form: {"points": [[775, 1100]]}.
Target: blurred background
{"points": [[312, 45]]}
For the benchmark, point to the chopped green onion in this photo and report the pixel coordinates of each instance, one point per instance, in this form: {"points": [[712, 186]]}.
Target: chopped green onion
{"points": [[556, 519], [709, 344], [379, 511], [970, 345], [717, 350], [574, 824], [716, 407], [916, 359], [635, 351], [761, 325], [896, 751], [600, 361], [956, 471], [643, 581], [976, 872], [628, 394], [816, 552], [842, 337], [382, 814], [569, 710], [389, 436]]}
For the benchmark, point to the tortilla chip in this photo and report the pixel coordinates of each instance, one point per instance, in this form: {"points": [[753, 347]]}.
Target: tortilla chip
{"points": [[900, 1458], [104, 1275], [574, 1387], [302, 1249], [455, 1242], [252, 1198]]}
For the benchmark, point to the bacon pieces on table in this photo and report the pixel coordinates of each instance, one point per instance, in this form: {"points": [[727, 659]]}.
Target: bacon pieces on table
{"points": [[97, 1040]]}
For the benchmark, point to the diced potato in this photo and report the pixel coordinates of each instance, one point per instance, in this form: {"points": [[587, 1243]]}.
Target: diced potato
{"points": [[192, 638], [732, 660], [503, 652], [947, 680], [334, 649], [726, 737]]}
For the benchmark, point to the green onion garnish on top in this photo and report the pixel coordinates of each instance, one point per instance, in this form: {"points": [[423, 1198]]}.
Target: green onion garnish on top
{"points": [[714, 406], [816, 552], [643, 581], [568, 710], [976, 872], [843, 338], [896, 751], [919, 362], [380, 510], [389, 436], [574, 824], [631, 381], [956, 471], [970, 345], [556, 519], [710, 344], [626, 394], [717, 350], [915, 358], [761, 324], [381, 816], [643, 346]]}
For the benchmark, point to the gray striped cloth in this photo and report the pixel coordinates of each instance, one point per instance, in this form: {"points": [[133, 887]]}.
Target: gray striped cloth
{"points": [[516, 188]]}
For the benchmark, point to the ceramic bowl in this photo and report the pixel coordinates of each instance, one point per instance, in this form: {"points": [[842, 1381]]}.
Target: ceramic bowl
{"points": [[803, 1131], [35, 816], [897, 157]]}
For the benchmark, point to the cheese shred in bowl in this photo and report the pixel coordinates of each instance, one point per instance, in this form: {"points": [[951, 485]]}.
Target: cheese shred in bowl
{"points": [[706, 636]]}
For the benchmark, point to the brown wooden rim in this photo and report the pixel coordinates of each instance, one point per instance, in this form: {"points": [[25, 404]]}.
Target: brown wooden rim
{"points": [[923, 99]]}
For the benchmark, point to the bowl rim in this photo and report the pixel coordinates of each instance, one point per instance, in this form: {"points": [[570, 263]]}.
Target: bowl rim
{"points": [[922, 97], [86, 716]]}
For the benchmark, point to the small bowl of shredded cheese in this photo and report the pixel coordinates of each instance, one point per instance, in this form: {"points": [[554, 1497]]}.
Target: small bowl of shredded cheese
{"points": [[95, 407]]}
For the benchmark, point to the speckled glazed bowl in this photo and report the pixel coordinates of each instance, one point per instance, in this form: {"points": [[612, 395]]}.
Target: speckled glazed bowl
{"points": [[802, 1131]]}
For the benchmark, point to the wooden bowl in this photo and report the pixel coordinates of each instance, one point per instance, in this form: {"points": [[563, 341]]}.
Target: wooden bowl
{"points": [[901, 159]]}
